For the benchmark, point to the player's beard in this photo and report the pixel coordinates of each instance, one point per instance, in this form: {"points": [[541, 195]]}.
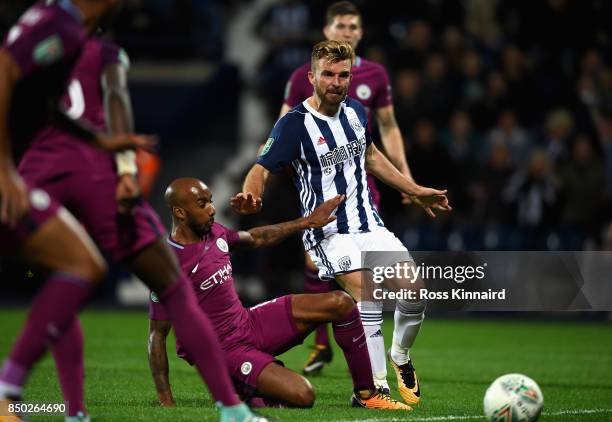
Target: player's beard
{"points": [[329, 99], [200, 229]]}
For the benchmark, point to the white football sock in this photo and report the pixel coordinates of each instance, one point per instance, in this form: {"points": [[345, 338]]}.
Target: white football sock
{"points": [[10, 390], [408, 318], [371, 317]]}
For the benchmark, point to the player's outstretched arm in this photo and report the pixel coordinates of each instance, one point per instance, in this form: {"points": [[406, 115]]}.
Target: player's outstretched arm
{"points": [[158, 361], [393, 143], [13, 195], [384, 171], [391, 137], [270, 235], [249, 200]]}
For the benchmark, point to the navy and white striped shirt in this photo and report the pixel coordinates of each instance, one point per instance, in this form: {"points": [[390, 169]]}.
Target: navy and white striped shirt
{"points": [[327, 157]]}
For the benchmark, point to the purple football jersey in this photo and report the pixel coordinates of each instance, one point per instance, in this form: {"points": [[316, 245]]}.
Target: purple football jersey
{"points": [[83, 177], [208, 266], [370, 85], [45, 43], [83, 100]]}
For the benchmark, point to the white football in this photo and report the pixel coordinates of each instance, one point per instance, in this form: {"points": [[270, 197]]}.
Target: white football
{"points": [[513, 398]]}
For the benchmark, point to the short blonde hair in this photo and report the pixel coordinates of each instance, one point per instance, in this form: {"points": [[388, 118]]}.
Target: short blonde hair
{"points": [[333, 51]]}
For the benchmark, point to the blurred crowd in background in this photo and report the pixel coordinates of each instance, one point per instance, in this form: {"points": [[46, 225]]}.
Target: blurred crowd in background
{"points": [[508, 104]]}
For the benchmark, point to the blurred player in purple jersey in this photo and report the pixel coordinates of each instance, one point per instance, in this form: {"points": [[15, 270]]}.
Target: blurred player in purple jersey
{"points": [[35, 62], [99, 187], [326, 143], [370, 85], [251, 338]]}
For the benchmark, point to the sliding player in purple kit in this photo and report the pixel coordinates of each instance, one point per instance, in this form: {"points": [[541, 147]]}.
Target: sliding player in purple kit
{"points": [[326, 143], [36, 58], [86, 181], [370, 85], [250, 338]]}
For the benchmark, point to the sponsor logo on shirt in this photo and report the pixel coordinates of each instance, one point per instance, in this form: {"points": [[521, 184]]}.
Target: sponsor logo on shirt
{"points": [[154, 297], [342, 153], [267, 146], [219, 277]]}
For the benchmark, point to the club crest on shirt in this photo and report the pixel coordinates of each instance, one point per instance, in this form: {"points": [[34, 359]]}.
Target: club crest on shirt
{"points": [[39, 199], [222, 245], [154, 297], [246, 368], [356, 125], [363, 92], [344, 263]]}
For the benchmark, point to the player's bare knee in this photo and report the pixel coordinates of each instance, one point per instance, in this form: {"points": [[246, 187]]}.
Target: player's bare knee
{"points": [[343, 303], [91, 269], [304, 394], [99, 270]]}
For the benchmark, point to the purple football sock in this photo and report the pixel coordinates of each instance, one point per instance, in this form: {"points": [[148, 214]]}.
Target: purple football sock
{"points": [[68, 356], [350, 336], [312, 284], [52, 311]]}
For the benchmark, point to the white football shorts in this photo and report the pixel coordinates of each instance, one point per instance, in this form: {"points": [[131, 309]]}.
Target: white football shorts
{"points": [[344, 253]]}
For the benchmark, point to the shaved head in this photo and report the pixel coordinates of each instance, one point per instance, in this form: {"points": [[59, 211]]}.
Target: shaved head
{"points": [[190, 202], [182, 190]]}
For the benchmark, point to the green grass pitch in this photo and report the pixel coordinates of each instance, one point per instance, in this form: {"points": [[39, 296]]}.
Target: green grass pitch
{"points": [[455, 359]]}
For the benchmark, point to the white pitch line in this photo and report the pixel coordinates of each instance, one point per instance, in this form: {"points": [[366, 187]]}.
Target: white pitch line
{"points": [[468, 417]]}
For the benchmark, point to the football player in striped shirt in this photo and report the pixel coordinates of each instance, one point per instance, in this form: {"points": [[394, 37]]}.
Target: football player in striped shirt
{"points": [[326, 143], [370, 85]]}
